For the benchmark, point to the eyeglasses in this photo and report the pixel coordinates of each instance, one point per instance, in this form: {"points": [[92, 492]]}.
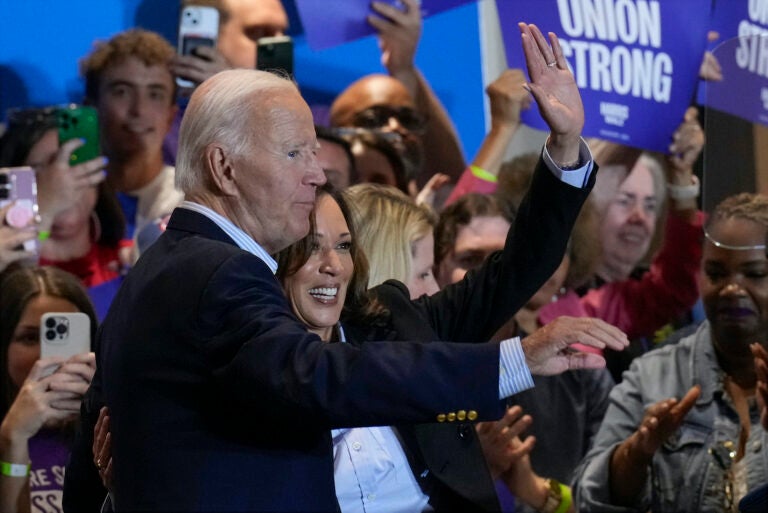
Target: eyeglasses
{"points": [[378, 116]]}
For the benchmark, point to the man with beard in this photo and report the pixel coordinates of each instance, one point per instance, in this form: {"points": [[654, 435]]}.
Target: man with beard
{"points": [[402, 102], [129, 82]]}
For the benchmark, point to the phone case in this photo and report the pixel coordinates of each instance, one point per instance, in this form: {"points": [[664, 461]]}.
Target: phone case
{"points": [[275, 54], [198, 26], [79, 121], [18, 185], [64, 334]]}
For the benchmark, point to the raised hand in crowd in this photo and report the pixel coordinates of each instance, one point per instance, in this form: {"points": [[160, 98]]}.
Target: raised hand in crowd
{"points": [[501, 444], [630, 460], [557, 96], [205, 62], [60, 186], [11, 240]]}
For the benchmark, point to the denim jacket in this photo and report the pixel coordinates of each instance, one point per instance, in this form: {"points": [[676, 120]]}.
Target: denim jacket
{"points": [[684, 475]]}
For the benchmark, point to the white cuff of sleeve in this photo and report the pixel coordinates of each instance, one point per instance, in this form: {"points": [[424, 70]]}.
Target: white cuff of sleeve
{"points": [[514, 375], [575, 177]]}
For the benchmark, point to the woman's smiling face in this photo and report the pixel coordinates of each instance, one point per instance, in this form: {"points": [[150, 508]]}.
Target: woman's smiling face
{"points": [[318, 289]]}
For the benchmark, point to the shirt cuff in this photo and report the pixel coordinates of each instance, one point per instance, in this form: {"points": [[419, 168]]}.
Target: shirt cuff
{"points": [[514, 375], [576, 177]]}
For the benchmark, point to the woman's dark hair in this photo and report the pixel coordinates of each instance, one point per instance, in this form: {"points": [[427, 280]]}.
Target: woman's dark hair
{"points": [[25, 128], [19, 284], [292, 258]]}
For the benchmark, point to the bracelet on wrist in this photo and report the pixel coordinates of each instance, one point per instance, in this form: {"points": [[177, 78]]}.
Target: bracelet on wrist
{"points": [[14, 469], [684, 192], [482, 174], [559, 498]]}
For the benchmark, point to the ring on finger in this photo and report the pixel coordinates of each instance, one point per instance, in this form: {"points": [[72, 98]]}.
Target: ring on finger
{"points": [[550, 64]]}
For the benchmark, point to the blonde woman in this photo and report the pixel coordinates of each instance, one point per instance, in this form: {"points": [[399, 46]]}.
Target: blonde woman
{"points": [[397, 236]]}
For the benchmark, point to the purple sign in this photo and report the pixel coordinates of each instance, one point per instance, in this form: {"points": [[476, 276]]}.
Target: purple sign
{"points": [[743, 92], [331, 23], [636, 62]]}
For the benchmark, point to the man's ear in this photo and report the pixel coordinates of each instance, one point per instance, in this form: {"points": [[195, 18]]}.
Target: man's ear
{"points": [[221, 170]]}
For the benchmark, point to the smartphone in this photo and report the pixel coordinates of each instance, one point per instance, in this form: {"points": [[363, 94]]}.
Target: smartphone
{"points": [[18, 185], [79, 122], [198, 26], [64, 334], [275, 54]]}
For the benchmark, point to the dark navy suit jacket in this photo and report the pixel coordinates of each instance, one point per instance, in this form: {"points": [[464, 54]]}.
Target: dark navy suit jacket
{"points": [[221, 400]]}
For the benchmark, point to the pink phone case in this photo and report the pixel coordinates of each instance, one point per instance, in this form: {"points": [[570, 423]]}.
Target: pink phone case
{"points": [[18, 186]]}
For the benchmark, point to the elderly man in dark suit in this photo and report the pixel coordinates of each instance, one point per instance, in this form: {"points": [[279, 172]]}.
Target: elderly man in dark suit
{"points": [[220, 398]]}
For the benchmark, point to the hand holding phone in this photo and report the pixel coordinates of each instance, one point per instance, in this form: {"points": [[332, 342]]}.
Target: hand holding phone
{"points": [[275, 54], [198, 27], [64, 334], [18, 200], [79, 122]]}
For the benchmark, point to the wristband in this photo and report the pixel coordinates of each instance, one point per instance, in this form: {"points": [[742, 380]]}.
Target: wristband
{"points": [[43, 235], [559, 497], [684, 192], [14, 469], [482, 174]]}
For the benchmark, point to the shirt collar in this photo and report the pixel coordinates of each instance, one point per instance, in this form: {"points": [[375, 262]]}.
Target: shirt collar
{"points": [[242, 239]]}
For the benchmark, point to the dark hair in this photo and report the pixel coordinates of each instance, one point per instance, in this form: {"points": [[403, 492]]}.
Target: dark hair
{"points": [[335, 136], [19, 284], [292, 258], [25, 129], [403, 168], [460, 214]]}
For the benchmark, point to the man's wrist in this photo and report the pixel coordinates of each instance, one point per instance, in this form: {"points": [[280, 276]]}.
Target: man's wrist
{"points": [[564, 151]]}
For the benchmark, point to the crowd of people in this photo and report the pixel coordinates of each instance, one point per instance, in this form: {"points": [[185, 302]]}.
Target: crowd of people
{"points": [[300, 317]]}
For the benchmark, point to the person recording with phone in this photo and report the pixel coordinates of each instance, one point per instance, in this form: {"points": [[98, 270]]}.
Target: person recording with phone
{"points": [[81, 227], [39, 397], [241, 24]]}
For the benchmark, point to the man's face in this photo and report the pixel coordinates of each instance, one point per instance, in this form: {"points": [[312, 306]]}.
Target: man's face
{"points": [[248, 21], [474, 242], [334, 160], [276, 181], [629, 224], [136, 108], [382, 103], [734, 286]]}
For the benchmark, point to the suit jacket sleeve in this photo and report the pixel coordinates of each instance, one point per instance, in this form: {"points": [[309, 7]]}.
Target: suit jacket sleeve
{"points": [[263, 360], [474, 308]]}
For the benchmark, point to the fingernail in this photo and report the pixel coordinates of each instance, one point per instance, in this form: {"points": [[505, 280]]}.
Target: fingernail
{"points": [[105, 160], [82, 140]]}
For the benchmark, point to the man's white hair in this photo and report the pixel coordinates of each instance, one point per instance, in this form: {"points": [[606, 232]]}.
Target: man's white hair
{"points": [[221, 110]]}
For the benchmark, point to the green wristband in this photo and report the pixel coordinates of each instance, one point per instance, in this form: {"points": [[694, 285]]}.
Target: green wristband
{"points": [[482, 174], [14, 469], [566, 499]]}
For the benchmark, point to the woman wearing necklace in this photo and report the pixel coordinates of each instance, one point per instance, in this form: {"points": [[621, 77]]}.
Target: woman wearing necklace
{"points": [[682, 432]]}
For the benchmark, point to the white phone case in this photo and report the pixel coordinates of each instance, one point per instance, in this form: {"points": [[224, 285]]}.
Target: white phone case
{"points": [[64, 334], [198, 26]]}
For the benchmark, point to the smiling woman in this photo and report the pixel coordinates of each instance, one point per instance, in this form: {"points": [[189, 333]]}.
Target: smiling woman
{"points": [[704, 448]]}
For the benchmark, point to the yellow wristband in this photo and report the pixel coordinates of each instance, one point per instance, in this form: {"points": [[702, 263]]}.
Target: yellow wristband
{"points": [[482, 174], [14, 469]]}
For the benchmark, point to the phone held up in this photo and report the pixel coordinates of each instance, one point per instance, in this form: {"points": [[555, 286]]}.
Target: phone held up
{"points": [[275, 54], [198, 26], [64, 334], [18, 188], [79, 122]]}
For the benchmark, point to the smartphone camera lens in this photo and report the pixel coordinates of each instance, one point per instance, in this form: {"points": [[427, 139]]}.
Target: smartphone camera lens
{"points": [[50, 334], [61, 328], [50, 323]]}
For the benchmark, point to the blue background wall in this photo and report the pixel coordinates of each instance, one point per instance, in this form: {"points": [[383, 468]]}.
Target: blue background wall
{"points": [[42, 40]]}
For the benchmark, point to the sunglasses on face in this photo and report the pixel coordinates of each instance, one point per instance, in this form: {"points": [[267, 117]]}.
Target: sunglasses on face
{"points": [[378, 116]]}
